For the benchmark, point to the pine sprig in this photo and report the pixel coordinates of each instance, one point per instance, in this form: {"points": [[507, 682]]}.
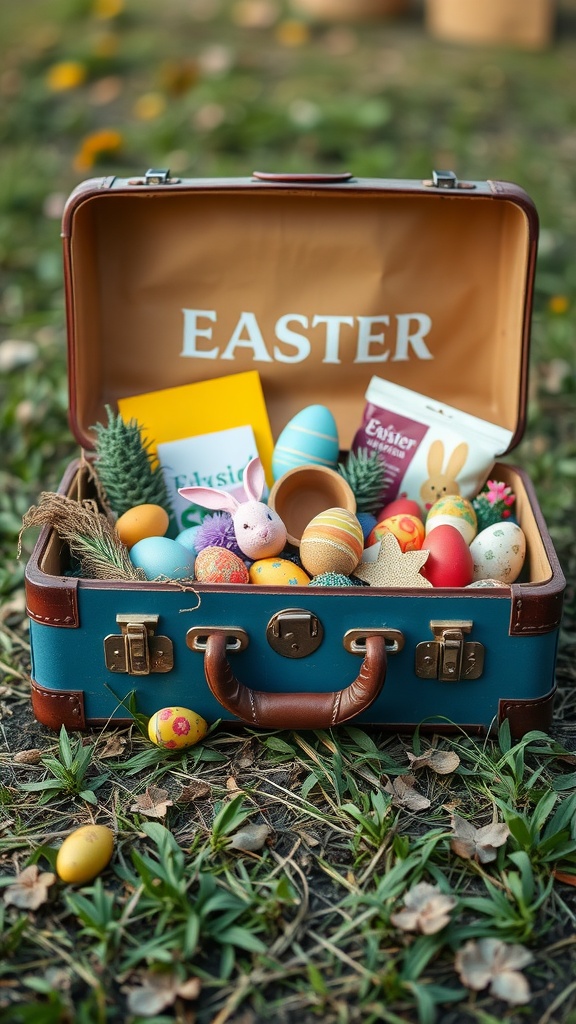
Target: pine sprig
{"points": [[368, 475], [128, 471], [89, 534]]}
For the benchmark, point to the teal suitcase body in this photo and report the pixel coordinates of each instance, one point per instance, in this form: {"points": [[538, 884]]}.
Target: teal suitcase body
{"points": [[318, 282]]}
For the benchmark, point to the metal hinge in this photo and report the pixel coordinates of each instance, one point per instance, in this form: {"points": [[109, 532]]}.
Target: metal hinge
{"points": [[449, 657], [157, 176], [137, 651]]}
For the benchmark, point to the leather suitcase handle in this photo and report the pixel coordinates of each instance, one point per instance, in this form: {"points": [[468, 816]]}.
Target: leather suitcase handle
{"points": [[294, 710]]}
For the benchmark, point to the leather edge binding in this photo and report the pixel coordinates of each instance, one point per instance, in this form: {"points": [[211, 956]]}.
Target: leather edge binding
{"points": [[527, 715], [57, 708]]}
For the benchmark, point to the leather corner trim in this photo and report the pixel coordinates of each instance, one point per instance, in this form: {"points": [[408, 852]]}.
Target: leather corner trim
{"points": [[52, 600], [57, 708], [526, 715]]}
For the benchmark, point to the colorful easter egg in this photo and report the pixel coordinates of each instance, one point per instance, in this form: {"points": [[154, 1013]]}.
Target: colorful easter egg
{"points": [[367, 522], [454, 510], [499, 552], [401, 507], [449, 562], [174, 728], [332, 542], [311, 436], [408, 530], [277, 572], [219, 565], [84, 854], [142, 521], [160, 556]]}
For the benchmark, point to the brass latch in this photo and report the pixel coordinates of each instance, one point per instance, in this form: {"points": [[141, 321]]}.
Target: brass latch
{"points": [[449, 657], [294, 633], [137, 651]]}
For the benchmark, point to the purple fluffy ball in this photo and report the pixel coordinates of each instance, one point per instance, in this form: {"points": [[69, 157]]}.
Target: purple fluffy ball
{"points": [[217, 530]]}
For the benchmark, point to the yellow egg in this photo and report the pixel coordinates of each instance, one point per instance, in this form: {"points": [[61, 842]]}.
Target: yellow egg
{"points": [[174, 728], [84, 853], [140, 522], [277, 572]]}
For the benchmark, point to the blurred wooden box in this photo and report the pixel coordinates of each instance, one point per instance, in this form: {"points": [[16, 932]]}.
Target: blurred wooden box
{"points": [[527, 24]]}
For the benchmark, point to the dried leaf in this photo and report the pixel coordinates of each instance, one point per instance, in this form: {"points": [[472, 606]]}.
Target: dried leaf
{"points": [[154, 803], [194, 791], [232, 786], [426, 910], [443, 762], [494, 963], [477, 843], [113, 747], [159, 991], [250, 838], [564, 876], [405, 795], [32, 756], [30, 889]]}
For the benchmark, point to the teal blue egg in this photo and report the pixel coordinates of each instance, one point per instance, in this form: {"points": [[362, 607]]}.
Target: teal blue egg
{"points": [[187, 537], [160, 556], [309, 438]]}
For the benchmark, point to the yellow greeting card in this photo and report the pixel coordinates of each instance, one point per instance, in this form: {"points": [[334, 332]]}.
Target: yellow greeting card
{"points": [[203, 408]]}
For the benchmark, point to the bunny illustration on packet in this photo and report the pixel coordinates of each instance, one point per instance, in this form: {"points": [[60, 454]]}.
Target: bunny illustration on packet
{"points": [[430, 449]]}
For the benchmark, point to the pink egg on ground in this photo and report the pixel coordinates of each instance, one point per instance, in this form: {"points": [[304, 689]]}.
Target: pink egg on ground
{"points": [[408, 530], [449, 562], [401, 507]]}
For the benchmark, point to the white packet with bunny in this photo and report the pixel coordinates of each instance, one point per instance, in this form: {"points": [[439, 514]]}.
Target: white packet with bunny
{"points": [[430, 449]]}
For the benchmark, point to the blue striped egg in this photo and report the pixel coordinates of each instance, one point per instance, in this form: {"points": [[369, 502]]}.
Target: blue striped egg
{"points": [[309, 438]]}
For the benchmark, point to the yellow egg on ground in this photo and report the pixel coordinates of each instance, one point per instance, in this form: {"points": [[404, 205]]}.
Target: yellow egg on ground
{"points": [[140, 522], [277, 572], [84, 854], [175, 728]]}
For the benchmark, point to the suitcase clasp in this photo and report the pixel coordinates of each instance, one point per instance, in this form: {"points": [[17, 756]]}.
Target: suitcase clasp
{"points": [[137, 651], [449, 657]]}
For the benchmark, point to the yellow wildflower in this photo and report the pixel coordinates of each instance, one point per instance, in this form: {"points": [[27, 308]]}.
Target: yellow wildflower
{"points": [[149, 106], [558, 304], [105, 9], [68, 74], [292, 33], [95, 145]]}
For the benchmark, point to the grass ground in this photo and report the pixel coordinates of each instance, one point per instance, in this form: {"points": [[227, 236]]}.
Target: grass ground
{"points": [[273, 875]]}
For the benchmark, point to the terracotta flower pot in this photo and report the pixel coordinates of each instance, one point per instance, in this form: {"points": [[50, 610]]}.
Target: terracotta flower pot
{"points": [[528, 24], [349, 10]]}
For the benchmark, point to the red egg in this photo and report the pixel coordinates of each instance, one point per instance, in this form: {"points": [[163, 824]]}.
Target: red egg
{"points": [[401, 507], [450, 562]]}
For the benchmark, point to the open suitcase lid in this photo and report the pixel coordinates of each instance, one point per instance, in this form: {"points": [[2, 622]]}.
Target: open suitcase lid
{"points": [[317, 282]]}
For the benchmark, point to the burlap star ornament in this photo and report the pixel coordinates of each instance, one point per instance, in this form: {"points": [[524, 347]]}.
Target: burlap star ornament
{"points": [[394, 567]]}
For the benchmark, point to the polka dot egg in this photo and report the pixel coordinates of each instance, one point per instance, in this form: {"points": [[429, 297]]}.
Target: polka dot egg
{"points": [[277, 572], [408, 530], [453, 510], [219, 565], [332, 542], [174, 728]]}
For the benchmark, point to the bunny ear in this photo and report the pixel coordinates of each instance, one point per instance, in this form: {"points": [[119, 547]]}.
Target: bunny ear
{"points": [[253, 479], [209, 497], [435, 458], [457, 460]]}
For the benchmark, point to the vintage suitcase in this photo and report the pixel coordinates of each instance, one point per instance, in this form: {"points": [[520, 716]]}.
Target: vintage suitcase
{"points": [[318, 282]]}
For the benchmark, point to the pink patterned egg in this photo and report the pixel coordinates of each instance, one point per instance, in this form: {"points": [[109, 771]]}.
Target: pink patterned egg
{"points": [[408, 530], [332, 542], [219, 565]]}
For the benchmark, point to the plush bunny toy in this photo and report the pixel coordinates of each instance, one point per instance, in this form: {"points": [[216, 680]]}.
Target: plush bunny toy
{"points": [[259, 530]]}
